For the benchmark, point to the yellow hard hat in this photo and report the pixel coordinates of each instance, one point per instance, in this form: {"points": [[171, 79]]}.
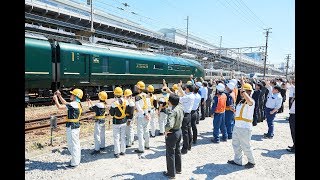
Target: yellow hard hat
{"points": [[189, 83], [150, 88], [247, 86], [77, 92], [175, 87], [140, 85], [103, 95], [127, 92], [118, 91]]}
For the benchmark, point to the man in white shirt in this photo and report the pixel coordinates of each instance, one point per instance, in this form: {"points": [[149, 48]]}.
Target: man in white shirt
{"points": [[291, 86], [292, 121], [241, 135]]}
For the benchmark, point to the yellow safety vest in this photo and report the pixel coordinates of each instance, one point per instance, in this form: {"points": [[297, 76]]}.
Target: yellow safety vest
{"points": [[101, 117], [166, 99], [76, 120], [240, 115], [122, 109], [151, 101], [145, 105]]}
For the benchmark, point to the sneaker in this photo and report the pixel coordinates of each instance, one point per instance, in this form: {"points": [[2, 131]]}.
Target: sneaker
{"points": [[138, 151], [127, 146], [267, 137], [103, 148], [166, 174], [161, 134], [147, 147], [234, 163], [116, 155], [178, 172], [249, 165], [95, 152], [122, 154]]}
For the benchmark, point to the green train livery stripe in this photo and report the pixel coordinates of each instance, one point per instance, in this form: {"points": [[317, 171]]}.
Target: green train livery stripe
{"points": [[112, 74], [36, 72]]}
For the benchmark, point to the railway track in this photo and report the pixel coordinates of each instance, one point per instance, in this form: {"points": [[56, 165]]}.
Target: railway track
{"points": [[40, 123]]}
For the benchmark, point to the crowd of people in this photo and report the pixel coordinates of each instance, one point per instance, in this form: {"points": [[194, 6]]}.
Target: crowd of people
{"points": [[236, 105]]}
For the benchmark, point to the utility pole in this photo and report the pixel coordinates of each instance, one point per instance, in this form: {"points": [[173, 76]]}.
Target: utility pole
{"points": [[92, 30], [187, 33], [266, 55], [287, 67]]}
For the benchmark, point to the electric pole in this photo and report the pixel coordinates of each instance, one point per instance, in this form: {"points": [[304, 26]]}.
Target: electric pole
{"points": [[187, 33], [266, 55], [92, 30], [220, 47], [287, 67]]}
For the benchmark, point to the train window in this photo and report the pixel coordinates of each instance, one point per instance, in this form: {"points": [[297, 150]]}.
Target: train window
{"points": [[188, 68], [127, 66], [170, 67], [105, 64], [182, 68], [158, 66]]}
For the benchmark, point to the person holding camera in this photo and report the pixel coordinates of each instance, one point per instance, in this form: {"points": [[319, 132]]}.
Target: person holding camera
{"points": [[74, 110]]}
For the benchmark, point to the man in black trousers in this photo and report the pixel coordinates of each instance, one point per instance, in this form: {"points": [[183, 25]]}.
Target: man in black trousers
{"points": [[173, 137]]}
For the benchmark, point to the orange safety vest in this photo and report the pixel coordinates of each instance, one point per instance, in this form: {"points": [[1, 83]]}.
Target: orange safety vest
{"points": [[221, 106]]}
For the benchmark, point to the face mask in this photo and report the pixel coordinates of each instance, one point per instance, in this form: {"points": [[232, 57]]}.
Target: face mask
{"points": [[164, 93]]}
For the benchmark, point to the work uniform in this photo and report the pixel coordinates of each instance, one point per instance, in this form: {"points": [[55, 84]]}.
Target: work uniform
{"points": [[229, 113], [99, 125], [194, 116], [152, 110], [204, 95], [242, 132], [187, 103], [274, 101], [291, 88], [256, 114], [142, 122], [118, 111], [173, 153], [292, 121], [73, 130], [209, 101], [219, 107], [129, 128], [163, 114]]}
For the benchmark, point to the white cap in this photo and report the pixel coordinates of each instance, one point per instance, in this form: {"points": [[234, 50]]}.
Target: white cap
{"points": [[231, 85], [199, 84], [220, 87], [234, 81]]}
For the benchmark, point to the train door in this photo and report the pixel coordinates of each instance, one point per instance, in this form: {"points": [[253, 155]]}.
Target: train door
{"points": [[83, 69]]}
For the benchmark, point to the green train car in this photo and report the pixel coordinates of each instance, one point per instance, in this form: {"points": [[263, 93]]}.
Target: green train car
{"points": [[51, 65]]}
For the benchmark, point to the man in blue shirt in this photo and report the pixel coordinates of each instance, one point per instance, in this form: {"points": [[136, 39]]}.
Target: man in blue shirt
{"points": [[274, 101]]}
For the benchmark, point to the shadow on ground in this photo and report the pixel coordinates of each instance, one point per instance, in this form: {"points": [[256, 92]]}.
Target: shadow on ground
{"points": [[274, 153], [153, 175], [44, 166], [257, 137], [213, 170]]}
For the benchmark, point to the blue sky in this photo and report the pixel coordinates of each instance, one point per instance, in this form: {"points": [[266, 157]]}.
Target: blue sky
{"points": [[239, 22]]}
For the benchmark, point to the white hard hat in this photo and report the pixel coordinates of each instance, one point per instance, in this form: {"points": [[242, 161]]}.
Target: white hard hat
{"points": [[199, 84], [231, 85], [234, 81], [220, 87]]}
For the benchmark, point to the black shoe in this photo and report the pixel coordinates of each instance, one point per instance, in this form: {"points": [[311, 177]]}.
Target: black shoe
{"points": [[249, 165], [189, 149], [122, 154], [214, 141], [116, 155], [234, 163], [138, 151], [290, 147], [194, 142], [147, 147], [267, 137], [166, 174], [197, 122], [161, 134], [127, 146], [293, 150], [230, 137], [178, 172], [224, 140], [95, 152], [152, 136], [71, 167], [183, 151], [101, 149]]}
